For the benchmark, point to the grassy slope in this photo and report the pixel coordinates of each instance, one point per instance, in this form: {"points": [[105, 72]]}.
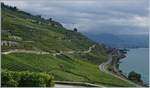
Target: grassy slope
{"points": [[64, 68], [44, 35], [77, 67]]}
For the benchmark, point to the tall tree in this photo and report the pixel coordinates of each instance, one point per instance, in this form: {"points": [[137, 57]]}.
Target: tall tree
{"points": [[134, 76], [75, 29], [50, 19]]}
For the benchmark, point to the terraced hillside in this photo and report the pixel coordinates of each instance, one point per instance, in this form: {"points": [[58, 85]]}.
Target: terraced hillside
{"points": [[44, 45]]}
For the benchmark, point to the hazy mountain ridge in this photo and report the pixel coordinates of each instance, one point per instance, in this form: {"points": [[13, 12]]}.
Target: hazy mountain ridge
{"points": [[121, 41]]}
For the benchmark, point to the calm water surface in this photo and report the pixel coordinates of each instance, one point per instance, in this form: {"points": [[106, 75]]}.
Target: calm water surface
{"points": [[137, 60]]}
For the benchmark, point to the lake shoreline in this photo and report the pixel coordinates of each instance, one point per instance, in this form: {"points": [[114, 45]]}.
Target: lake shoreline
{"points": [[123, 72]]}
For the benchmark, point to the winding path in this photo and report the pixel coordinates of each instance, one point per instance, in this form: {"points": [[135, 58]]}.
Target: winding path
{"points": [[68, 84], [103, 68], [72, 52], [24, 51], [42, 52]]}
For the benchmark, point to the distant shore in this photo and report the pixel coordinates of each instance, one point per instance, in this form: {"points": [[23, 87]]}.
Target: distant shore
{"points": [[117, 55], [122, 73]]}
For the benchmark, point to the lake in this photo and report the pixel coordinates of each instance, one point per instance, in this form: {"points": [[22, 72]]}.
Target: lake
{"points": [[137, 60]]}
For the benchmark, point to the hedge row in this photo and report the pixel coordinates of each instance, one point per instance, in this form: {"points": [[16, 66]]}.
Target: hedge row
{"points": [[25, 79]]}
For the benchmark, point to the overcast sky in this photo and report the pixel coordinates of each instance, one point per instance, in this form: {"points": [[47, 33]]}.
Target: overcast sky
{"points": [[92, 16]]}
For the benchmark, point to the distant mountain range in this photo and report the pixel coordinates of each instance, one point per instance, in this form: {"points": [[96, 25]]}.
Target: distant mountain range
{"points": [[121, 41]]}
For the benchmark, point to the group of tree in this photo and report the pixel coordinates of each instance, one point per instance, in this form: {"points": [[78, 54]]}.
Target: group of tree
{"points": [[135, 77], [25, 79], [10, 7]]}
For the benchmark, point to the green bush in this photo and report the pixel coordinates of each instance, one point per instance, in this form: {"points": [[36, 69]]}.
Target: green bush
{"points": [[26, 79], [135, 77], [12, 83]]}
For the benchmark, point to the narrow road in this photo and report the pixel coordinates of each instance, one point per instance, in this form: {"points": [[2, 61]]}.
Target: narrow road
{"points": [[24, 51], [68, 84], [71, 86], [103, 68], [42, 52], [72, 52]]}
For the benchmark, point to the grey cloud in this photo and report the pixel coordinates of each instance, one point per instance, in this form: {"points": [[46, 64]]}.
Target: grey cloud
{"points": [[93, 16]]}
